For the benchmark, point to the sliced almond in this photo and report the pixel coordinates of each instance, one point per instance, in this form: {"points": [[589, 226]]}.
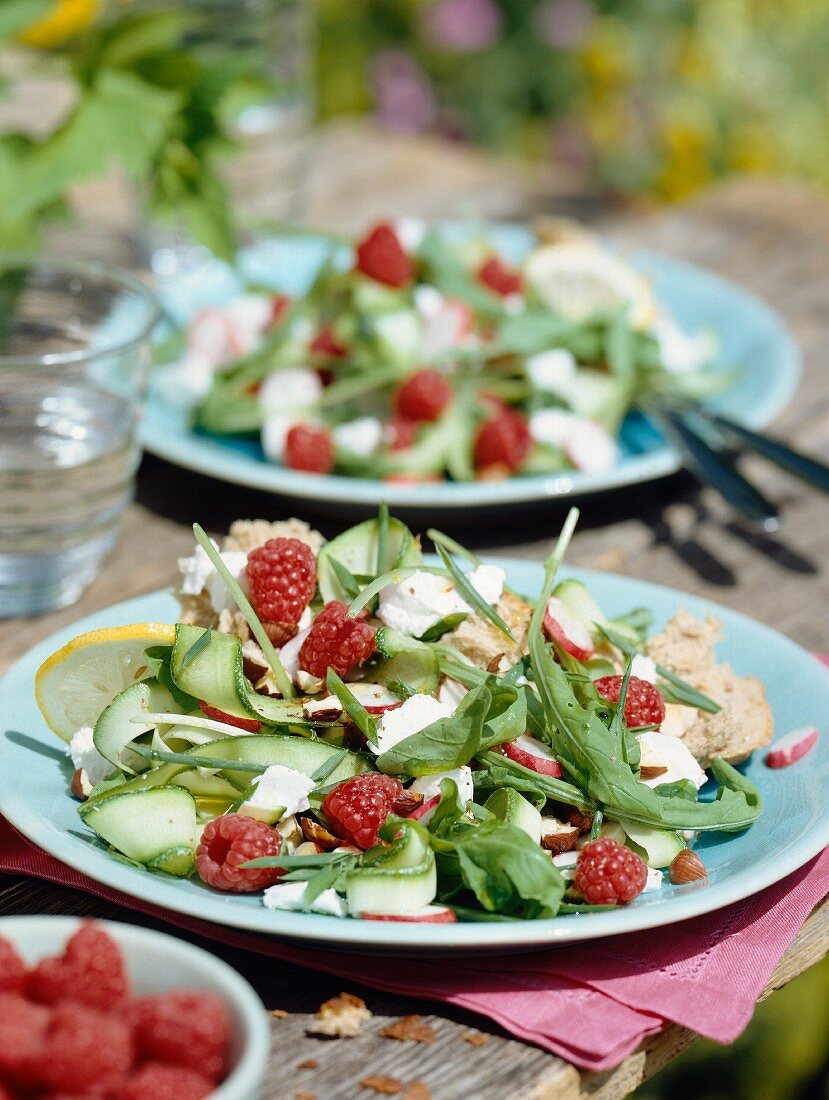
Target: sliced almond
{"points": [[319, 835], [651, 771], [406, 802], [563, 841]]}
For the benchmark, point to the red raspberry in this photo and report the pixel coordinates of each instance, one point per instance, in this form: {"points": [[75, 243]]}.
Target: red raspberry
{"points": [[309, 448], [12, 969], [91, 971], [381, 256], [185, 1029], [400, 433], [358, 807], [422, 396], [499, 278], [156, 1081], [326, 343], [336, 641], [22, 1031], [229, 841], [283, 579], [280, 305], [644, 705], [83, 1050], [249, 725], [503, 440], [608, 873]]}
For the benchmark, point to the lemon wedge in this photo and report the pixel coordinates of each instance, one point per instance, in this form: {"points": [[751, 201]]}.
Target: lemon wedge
{"points": [[579, 278], [74, 685]]}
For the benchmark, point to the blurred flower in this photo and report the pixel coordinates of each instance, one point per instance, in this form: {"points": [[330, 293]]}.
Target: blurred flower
{"points": [[464, 26], [404, 99], [563, 24]]}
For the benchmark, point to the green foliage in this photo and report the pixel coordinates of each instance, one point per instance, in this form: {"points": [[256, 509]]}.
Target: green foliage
{"points": [[152, 100]]}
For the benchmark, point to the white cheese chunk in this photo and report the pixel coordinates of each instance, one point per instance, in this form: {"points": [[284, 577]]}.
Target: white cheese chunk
{"points": [[418, 712], [84, 755], [429, 785], [654, 882], [360, 437], [198, 575], [415, 604], [644, 668], [550, 370], [288, 896], [660, 750], [679, 351], [280, 787]]}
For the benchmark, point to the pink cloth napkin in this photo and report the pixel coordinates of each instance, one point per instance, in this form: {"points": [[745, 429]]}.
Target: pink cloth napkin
{"points": [[591, 1004]]}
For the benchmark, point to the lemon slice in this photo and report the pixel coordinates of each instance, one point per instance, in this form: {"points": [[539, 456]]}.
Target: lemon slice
{"points": [[578, 279], [74, 685]]}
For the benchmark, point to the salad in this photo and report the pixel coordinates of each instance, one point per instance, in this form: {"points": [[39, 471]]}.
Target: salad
{"points": [[344, 728], [415, 356]]}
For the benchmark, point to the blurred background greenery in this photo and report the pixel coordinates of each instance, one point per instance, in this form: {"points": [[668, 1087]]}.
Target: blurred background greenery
{"points": [[650, 99]]}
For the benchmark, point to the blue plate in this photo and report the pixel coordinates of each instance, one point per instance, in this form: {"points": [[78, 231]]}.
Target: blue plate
{"points": [[751, 339], [794, 825]]}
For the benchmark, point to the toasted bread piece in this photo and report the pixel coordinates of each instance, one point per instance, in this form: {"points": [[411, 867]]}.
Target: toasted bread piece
{"points": [[686, 647], [247, 534], [482, 642]]}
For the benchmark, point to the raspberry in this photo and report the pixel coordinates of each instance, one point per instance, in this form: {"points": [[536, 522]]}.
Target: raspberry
{"points": [[309, 448], [608, 873], [644, 705], [400, 433], [499, 278], [229, 841], [12, 969], [185, 1029], [423, 396], [326, 343], [249, 725], [381, 256], [156, 1081], [22, 1030], [336, 641], [357, 807], [83, 1049], [283, 578], [91, 971], [504, 439]]}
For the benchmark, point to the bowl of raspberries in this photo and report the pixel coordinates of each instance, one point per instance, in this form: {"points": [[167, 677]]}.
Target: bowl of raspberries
{"points": [[96, 1009]]}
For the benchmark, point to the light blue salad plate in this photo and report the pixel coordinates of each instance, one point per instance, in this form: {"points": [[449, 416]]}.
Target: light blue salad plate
{"points": [[751, 340], [793, 827]]}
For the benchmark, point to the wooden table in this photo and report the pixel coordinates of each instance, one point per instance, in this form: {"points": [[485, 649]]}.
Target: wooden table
{"points": [[772, 238]]}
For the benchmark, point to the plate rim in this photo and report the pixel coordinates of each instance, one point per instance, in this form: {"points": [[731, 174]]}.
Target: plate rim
{"points": [[190, 452], [406, 939]]}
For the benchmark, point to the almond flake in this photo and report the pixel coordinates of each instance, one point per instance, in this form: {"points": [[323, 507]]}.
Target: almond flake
{"points": [[475, 1038], [389, 1086], [309, 1063], [279, 1013], [410, 1028]]}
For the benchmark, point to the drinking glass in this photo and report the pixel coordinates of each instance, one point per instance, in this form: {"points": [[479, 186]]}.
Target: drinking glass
{"points": [[74, 355]]}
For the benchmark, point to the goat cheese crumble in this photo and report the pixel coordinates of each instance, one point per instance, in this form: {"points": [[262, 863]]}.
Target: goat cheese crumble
{"points": [[415, 604], [418, 712]]}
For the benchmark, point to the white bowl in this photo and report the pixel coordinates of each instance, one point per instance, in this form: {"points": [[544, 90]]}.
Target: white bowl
{"points": [[157, 963]]}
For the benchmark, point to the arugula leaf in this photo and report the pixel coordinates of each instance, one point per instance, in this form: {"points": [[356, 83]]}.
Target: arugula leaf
{"points": [[161, 656], [452, 546], [500, 771], [682, 788], [352, 707], [470, 594], [348, 582], [507, 715], [443, 745], [443, 626], [531, 331]]}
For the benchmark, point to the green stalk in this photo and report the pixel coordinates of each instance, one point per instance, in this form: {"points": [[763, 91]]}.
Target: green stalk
{"points": [[283, 681]]}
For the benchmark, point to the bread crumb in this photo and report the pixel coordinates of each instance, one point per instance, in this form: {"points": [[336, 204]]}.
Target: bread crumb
{"points": [[279, 1013], [340, 1018], [309, 1063], [475, 1038], [248, 534], [389, 1086], [418, 1090], [410, 1028], [482, 642]]}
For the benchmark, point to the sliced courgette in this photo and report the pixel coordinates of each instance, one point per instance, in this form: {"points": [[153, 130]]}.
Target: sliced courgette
{"points": [[144, 824], [356, 549], [301, 753]]}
